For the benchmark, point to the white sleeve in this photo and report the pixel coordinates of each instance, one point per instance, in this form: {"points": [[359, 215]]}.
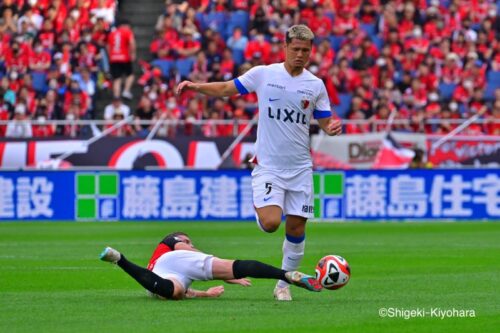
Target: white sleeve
{"points": [[322, 108], [249, 81]]}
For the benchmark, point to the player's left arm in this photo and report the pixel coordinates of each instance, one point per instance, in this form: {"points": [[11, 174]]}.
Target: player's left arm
{"points": [[211, 292], [323, 114], [330, 126]]}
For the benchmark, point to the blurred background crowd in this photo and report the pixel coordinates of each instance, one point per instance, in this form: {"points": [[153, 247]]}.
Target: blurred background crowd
{"points": [[434, 62]]}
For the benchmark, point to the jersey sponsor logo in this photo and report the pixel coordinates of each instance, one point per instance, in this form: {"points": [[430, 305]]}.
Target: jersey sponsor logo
{"points": [[307, 209], [286, 115], [278, 86], [304, 103], [306, 92], [273, 99]]}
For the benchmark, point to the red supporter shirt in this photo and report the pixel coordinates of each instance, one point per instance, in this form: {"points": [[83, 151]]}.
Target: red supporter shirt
{"points": [[346, 5], [255, 46], [240, 5], [160, 250], [321, 26], [396, 49], [4, 115], [461, 94], [430, 81], [451, 74], [405, 28], [43, 131], [17, 62], [61, 15], [342, 24], [40, 58], [420, 45], [119, 41], [306, 16], [227, 66], [492, 127], [99, 37], [48, 39], [478, 78]]}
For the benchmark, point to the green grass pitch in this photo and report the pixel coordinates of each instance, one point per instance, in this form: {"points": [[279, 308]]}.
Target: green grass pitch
{"points": [[52, 281]]}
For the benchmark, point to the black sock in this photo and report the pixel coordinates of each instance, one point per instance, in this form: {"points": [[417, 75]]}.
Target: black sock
{"points": [[257, 269], [147, 279]]}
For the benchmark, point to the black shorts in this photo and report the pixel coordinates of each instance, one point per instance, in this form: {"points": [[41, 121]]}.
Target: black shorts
{"points": [[119, 69]]}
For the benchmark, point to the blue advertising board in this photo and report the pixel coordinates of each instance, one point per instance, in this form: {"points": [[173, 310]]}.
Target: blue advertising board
{"points": [[227, 195]]}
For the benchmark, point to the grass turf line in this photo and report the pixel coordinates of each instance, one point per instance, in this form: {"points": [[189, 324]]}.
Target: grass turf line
{"points": [[52, 281]]}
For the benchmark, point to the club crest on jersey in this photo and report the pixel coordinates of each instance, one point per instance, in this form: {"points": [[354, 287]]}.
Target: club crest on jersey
{"points": [[304, 103]]}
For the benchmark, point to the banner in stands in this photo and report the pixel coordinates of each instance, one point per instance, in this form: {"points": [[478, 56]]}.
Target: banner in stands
{"points": [[465, 150], [344, 152], [125, 153], [227, 195], [359, 150]]}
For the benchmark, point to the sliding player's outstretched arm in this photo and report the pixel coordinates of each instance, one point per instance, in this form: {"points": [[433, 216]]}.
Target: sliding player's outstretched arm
{"points": [[210, 292]]}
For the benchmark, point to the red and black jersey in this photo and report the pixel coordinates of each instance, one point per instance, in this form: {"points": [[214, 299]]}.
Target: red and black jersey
{"points": [[165, 246]]}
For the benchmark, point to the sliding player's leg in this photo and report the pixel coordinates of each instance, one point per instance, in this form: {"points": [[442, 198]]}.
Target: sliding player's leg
{"points": [[223, 269], [149, 280]]}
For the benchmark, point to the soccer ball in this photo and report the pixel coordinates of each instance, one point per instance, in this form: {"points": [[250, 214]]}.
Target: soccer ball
{"points": [[333, 272]]}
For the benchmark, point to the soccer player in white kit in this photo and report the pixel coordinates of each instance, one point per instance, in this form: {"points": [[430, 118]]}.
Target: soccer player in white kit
{"points": [[288, 95]]}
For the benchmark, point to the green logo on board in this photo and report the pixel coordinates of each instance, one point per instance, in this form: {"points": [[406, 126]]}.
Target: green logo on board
{"points": [[97, 196]]}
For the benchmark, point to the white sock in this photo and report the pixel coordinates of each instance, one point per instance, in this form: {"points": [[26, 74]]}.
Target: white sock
{"points": [[293, 252]]}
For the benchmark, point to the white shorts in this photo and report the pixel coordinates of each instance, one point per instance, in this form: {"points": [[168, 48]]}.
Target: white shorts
{"points": [[292, 190], [185, 266]]}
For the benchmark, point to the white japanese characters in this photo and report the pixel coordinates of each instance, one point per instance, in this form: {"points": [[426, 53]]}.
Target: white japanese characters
{"points": [[218, 197], [180, 199], [407, 196], [141, 197], [6, 198], [196, 196], [33, 197]]}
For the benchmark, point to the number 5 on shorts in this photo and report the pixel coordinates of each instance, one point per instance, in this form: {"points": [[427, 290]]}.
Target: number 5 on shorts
{"points": [[269, 187]]}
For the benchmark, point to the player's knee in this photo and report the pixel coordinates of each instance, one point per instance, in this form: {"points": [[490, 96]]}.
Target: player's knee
{"points": [[269, 224], [295, 230]]}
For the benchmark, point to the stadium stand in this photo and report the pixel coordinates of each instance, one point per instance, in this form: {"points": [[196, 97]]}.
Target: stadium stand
{"points": [[407, 50]]}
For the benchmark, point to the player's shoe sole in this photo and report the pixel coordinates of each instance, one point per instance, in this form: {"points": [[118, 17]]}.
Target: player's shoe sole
{"points": [[110, 255], [303, 281]]}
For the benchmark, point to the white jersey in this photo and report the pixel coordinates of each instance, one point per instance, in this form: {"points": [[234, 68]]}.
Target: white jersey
{"points": [[286, 104]]}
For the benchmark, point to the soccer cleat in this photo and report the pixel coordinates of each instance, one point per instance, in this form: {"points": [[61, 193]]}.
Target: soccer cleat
{"points": [[303, 281], [282, 293], [110, 255]]}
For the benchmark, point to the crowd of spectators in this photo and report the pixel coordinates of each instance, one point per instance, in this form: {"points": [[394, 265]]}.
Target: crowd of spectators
{"points": [[53, 62], [426, 60]]}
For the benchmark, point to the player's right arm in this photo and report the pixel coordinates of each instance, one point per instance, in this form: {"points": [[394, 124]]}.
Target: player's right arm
{"points": [[244, 84], [211, 292], [216, 89]]}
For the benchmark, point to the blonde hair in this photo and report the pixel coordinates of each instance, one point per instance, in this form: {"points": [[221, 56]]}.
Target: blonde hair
{"points": [[299, 31]]}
